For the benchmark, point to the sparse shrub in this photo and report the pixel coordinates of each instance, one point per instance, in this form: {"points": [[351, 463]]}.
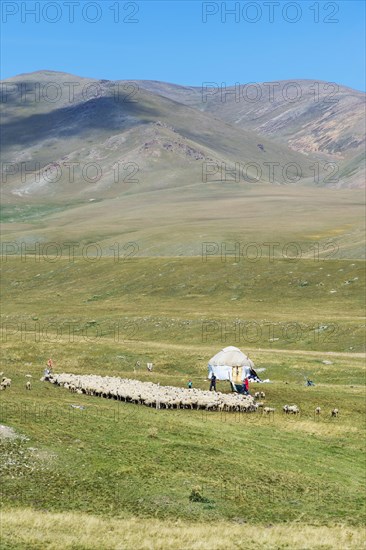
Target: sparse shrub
{"points": [[196, 495], [153, 432]]}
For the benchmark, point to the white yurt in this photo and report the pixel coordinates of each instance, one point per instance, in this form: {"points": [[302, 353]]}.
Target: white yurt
{"points": [[230, 364]]}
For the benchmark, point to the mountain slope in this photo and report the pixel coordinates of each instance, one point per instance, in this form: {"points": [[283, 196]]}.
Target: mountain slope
{"points": [[46, 134], [309, 117]]}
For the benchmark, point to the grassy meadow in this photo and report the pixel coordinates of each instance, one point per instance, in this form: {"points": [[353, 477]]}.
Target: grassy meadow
{"points": [[116, 475]]}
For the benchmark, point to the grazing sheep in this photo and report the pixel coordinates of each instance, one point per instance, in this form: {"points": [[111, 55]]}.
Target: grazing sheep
{"points": [[28, 385], [257, 395], [243, 407], [334, 413], [291, 409], [262, 395], [6, 382], [268, 410], [149, 402], [318, 410], [153, 395]]}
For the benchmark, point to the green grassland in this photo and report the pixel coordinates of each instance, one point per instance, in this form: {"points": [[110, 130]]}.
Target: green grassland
{"points": [[175, 217], [117, 461], [314, 304]]}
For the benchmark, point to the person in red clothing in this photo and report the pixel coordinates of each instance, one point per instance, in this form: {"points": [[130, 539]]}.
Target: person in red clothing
{"points": [[246, 386]]}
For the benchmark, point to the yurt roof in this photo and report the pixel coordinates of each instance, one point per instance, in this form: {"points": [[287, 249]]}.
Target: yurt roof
{"points": [[231, 357]]}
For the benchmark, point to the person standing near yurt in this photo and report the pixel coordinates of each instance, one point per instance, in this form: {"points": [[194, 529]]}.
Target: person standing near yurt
{"points": [[246, 386], [213, 382]]}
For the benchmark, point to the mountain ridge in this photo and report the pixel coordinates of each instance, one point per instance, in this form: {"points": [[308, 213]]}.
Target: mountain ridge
{"points": [[332, 128]]}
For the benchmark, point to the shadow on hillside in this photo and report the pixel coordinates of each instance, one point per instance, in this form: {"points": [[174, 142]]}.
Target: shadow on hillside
{"points": [[104, 113]]}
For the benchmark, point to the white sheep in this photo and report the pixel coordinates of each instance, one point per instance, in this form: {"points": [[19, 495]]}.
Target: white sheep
{"points": [[150, 394], [335, 412], [28, 385], [291, 409], [6, 382], [268, 410], [318, 410]]}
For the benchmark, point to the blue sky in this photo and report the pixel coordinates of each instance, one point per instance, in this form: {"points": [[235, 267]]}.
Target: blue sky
{"points": [[169, 40]]}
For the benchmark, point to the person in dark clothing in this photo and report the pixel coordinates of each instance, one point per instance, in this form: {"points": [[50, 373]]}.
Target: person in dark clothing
{"points": [[189, 384], [213, 382]]}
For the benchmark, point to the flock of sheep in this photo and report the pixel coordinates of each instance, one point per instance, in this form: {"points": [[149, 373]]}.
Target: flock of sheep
{"points": [[153, 395], [168, 397]]}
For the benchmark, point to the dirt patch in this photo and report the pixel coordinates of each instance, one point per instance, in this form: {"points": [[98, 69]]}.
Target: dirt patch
{"points": [[19, 460], [8, 433]]}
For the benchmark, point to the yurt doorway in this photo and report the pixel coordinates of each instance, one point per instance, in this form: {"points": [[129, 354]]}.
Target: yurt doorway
{"points": [[237, 374]]}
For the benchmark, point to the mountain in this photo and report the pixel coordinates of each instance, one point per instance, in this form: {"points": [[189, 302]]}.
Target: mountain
{"points": [[102, 160], [307, 116], [126, 123]]}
